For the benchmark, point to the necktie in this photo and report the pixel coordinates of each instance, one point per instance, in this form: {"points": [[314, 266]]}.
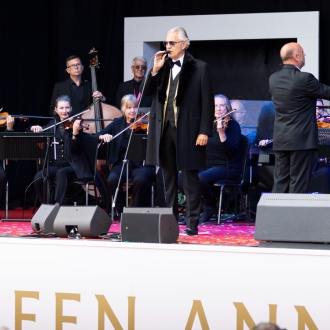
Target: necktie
{"points": [[178, 63]]}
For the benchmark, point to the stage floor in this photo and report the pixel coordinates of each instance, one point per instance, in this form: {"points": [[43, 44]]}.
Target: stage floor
{"points": [[230, 234]]}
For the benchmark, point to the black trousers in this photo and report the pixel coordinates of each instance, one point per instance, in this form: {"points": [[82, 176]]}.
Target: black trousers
{"points": [[142, 177], [292, 172], [191, 183], [62, 174], [3, 182]]}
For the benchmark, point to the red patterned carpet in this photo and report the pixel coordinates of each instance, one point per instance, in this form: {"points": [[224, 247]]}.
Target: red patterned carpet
{"points": [[233, 234]]}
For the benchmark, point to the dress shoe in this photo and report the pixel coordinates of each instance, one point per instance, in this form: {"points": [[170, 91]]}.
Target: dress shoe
{"points": [[191, 231], [208, 212]]}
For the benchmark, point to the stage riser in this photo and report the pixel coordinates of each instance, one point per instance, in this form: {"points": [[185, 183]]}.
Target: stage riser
{"points": [[159, 286]]}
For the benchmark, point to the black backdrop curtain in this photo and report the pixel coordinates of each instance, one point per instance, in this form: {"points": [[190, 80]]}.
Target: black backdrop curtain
{"points": [[37, 36]]}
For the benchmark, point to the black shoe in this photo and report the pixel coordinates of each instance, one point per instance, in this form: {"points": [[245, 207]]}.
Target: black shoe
{"points": [[190, 231], [208, 212], [181, 220]]}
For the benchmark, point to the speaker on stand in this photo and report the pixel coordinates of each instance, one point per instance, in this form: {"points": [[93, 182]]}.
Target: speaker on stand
{"points": [[43, 220], [149, 225], [293, 220], [88, 221]]}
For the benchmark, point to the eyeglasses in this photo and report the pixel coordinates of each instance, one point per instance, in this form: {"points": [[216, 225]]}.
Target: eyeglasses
{"points": [[171, 43], [78, 65], [140, 67]]}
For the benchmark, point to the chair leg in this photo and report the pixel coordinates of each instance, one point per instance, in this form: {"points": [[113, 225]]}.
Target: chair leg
{"points": [[152, 195], [220, 204], [86, 193], [244, 204]]}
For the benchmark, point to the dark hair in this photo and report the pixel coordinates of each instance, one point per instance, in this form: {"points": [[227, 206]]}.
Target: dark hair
{"points": [[265, 128], [62, 98], [71, 58], [266, 326]]}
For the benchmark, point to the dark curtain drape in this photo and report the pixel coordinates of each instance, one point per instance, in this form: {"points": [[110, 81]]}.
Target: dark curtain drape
{"points": [[37, 36]]}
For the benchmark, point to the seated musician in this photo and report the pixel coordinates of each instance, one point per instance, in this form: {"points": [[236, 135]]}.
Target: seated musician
{"points": [[70, 160], [322, 115], [320, 179], [3, 177], [265, 126], [142, 176], [222, 155]]}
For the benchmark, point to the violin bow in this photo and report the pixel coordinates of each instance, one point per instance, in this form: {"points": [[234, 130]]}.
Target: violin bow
{"points": [[76, 115], [225, 115], [146, 114]]}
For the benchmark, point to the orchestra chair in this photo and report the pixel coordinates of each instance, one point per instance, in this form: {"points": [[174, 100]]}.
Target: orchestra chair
{"points": [[244, 153], [92, 186]]}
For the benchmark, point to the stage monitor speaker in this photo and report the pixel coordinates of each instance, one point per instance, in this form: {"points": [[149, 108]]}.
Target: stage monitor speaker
{"points": [[44, 218], [301, 218], [149, 225], [90, 221]]}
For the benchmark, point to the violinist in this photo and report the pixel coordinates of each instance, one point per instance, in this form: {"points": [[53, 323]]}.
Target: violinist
{"points": [[70, 160], [142, 176], [80, 91], [322, 117], [10, 121], [222, 155]]}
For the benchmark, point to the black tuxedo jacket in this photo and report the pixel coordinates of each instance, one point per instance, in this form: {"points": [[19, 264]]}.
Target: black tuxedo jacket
{"points": [[63, 88], [294, 94], [126, 88], [195, 102]]}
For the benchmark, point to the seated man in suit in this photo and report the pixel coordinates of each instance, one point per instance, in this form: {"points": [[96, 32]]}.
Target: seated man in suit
{"points": [[135, 86], [78, 90]]}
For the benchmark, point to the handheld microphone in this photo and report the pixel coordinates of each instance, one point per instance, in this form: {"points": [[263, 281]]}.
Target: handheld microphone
{"points": [[167, 52]]}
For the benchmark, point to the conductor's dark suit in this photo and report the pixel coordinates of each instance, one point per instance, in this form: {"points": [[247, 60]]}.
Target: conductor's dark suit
{"points": [[195, 113], [294, 94]]}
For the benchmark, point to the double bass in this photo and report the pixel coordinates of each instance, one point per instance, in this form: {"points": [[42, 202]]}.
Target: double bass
{"points": [[96, 117], [99, 112]]}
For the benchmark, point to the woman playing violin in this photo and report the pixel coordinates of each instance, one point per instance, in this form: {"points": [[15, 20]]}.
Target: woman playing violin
{"points": [[222, 155], [142, 175], [70, 160]]}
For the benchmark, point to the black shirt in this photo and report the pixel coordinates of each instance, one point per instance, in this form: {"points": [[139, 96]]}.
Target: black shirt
{"points": [[224, 153]]}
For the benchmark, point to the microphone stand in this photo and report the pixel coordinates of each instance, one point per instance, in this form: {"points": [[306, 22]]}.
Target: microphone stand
{"points": [[125, 160]]}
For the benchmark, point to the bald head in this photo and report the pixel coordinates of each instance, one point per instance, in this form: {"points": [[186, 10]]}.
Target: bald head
{"points": [[292, 53]]}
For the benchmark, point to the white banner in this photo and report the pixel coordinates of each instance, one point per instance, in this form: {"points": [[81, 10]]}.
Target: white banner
{"points": [[62, 284]]}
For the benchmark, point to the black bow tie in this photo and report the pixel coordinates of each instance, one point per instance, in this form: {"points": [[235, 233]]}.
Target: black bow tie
{"points": [[178, 63]]}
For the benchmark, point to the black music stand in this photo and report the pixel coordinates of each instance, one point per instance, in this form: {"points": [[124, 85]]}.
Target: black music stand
{"points": [[137, 153], [25, 146]]}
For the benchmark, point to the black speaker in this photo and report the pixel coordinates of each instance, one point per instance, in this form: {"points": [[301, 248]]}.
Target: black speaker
{"points": [[90, 221], [149, 225], [44, 218], [293, 218]]}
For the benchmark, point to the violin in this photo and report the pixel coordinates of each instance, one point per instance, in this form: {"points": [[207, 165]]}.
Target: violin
{"points": [[4, 115], [225, 118], [69, 123], [139, 123]]}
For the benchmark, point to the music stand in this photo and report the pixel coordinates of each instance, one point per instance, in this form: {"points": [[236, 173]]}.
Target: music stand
{"points": [[137, 153], [24, 146]]}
